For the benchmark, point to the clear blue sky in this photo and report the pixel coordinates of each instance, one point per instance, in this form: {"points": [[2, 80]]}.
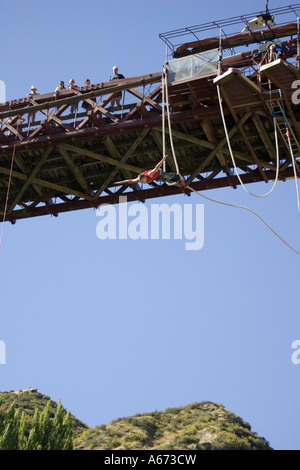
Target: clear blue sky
{"points": [[118, 327]]}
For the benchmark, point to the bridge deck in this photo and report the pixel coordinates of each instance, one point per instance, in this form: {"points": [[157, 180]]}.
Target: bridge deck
{"points": [[69, 161]]}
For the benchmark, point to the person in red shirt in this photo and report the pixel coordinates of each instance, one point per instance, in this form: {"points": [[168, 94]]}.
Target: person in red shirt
{"points": [[156, 174]]}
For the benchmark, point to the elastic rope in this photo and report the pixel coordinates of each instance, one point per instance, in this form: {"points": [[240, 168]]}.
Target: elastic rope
{"points": [[249, 210], [225, 203], [295, 170], [163, 119], [291, 150], [169, 125], [232, 157]]}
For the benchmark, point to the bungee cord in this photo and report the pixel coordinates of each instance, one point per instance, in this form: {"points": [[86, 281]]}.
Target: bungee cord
{"points": [[165, 96], [232, 156]]}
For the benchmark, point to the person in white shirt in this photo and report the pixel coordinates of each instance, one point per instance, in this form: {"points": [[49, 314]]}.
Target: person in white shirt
{"points": [[60, 87], [31, 94]]}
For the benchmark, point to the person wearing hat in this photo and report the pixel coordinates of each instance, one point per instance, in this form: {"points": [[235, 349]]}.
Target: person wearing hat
{"points": [[31, 94], [116, 76], [33, 91]]}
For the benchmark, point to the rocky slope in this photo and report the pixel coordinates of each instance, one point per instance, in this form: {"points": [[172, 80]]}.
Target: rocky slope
{"points": [[199, 426]]}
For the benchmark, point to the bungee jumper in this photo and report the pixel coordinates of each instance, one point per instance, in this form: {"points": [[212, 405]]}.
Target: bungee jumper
{"points": [[156, 174]]}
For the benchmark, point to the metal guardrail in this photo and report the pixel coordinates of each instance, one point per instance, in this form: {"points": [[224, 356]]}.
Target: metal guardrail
{"points": [[176, 37]]}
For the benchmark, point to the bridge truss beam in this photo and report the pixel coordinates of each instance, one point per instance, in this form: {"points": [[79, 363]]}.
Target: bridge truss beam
{"points": [[69, 161]]}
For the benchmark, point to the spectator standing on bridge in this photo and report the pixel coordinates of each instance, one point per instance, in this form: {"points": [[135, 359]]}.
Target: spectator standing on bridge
{"points": [[72, 86], [33, 92], [116, 76], [85, 105], [60, 87], [156, 174]]}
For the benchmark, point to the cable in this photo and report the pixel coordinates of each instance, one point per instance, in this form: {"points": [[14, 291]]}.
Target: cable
{"points": [[169, 125], [225, 203], [232, 157], [294, 167], [163, 119], [288, 134], [246, 209], [163, 109]]}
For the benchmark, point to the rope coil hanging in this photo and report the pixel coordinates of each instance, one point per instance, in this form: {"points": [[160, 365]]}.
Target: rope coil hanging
{"points": [[232, 156], [249, 210], [163, 118], [288, 135], [166, 101], [165, 86]]}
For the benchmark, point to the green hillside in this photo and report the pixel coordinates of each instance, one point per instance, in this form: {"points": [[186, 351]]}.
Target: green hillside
{"points": [[29, 400], [198, 426]]}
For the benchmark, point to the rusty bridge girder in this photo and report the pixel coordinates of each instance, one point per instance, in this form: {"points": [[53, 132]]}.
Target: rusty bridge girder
{"points": [[65, 161]]}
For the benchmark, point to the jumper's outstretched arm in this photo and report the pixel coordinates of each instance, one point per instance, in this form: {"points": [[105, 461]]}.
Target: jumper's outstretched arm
{"points": [[130, 181]]}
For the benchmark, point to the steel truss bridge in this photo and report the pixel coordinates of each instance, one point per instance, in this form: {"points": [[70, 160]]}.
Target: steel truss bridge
{"points": [[67, 161]]}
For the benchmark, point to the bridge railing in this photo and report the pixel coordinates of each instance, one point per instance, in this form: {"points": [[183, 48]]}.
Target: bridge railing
{"points": [[69, 108]]}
